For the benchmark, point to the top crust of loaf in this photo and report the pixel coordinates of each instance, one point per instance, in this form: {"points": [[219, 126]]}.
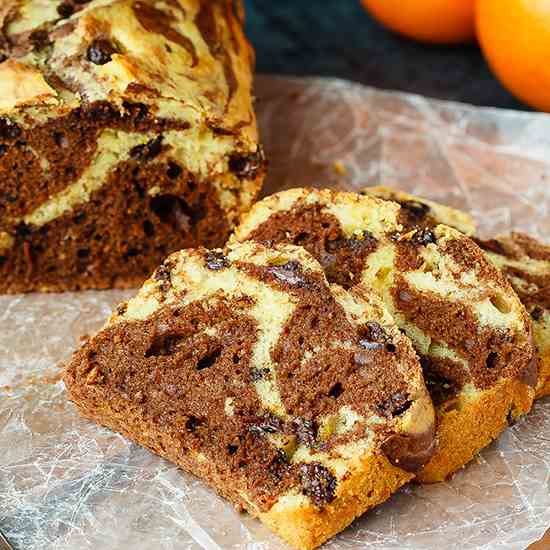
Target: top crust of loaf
{"points": [[423, 212], [181, 56]]}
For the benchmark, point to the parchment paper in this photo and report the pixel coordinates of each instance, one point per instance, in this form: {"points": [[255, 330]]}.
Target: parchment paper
{"points": [[66, 484]]}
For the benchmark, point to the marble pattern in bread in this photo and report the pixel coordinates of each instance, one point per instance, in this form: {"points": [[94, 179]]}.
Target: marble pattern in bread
{"points": [[300, 402], [127, 132], [471, 331]]}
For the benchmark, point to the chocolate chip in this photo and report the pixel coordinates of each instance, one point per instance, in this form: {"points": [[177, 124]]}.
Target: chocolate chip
{"points": [[318, 483], [336, 391], [373, 337], [8, 197], [162, 273], [537, 313], [39, 39], [247, 166], [215, 260], [491, 360], [259, 374], [209, 360], [22, 230], [440, 388], [100, 52], [147, 151], [305, 431], [232, 449], [65, 10], [83, 253], [148, 229], [415, 210], [3, 260], [192, 423], [9, 129], [396, 405], [289, 273], [266, 424], [424, 237], [174, 171]]}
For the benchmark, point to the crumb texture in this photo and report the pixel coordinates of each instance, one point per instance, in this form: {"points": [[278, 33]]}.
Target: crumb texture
{"points": [[468, 326], [297, 400]]}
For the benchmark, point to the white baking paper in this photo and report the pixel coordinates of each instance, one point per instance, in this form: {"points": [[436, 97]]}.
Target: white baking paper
{"points": [[66, 484]]}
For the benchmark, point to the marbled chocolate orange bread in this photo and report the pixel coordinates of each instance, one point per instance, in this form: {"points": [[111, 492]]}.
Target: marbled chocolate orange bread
{"points": [[469, 328], [523, 260], [126, 132], [299, 402]]}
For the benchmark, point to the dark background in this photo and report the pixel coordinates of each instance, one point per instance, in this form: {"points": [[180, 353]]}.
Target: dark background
{"points": [[339, 38]]}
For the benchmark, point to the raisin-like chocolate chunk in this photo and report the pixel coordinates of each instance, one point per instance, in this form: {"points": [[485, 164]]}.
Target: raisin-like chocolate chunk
{"points": [[23, 230], [305, 430], [65, 10], [215, 260], [424, 237], [318, 483], [259, 374], [3, 150], [396, 405], [416, 211], [100, 52], [537, 313], [9, 130], [39, 39], [440, 388], [247, 166], [192, 423], [266, 424], [163, 275], [289, 273], [373, 336], [147, 151]]}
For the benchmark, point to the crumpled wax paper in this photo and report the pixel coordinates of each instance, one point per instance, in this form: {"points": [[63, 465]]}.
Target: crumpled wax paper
{"points": [[66, 484]]}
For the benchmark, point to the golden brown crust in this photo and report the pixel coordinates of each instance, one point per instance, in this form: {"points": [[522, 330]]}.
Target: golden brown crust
{"points": [[374, 482], [193, 52], [466, 426]]}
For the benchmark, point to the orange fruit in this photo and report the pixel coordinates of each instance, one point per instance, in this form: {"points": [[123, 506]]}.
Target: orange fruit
{"points": [[433, 21], [515, 38]]}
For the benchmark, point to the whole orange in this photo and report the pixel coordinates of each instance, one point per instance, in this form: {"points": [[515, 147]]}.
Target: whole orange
{"points": [[434, 21], [515, 38]]}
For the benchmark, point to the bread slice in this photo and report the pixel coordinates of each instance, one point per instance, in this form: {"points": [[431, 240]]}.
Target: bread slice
{"points": [[418, 211], [127, 132], [524, 260], [300, 402], [526, 263], [471, 331]]}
